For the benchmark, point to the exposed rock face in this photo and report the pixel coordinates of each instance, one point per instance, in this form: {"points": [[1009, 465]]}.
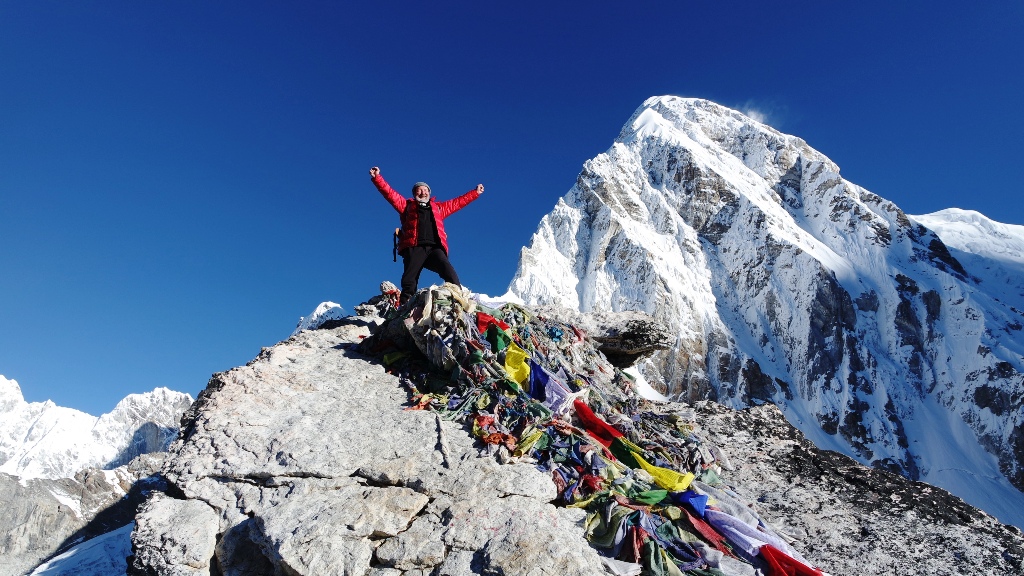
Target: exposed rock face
{"points": [[784, 283], [43, 517], [625, 338], [849, 518], [307, 460], [303, 462], [183, 551]]}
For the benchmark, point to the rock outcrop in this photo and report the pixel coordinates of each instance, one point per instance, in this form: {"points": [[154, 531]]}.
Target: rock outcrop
{"points": [[309, 465], [305, 461], [624, 337]]}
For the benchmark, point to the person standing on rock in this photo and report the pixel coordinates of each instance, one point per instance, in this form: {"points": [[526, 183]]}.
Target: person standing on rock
{"points": [[422, 241]]}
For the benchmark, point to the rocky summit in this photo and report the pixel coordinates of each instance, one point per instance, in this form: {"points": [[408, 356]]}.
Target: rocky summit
{"points": [[305, 462], [385, 447]]}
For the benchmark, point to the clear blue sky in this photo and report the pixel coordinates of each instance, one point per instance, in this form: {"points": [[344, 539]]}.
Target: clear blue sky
{"points": [[181, 180]]}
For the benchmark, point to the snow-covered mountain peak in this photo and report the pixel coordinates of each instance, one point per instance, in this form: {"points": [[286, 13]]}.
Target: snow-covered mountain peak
{"points": [[971, 231], [993, 254], [43, 440], [161, 405], [785, 283], [719, 132], [325, 312], [10, 394]]}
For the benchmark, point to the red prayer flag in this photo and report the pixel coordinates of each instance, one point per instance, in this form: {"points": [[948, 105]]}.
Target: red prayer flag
{"points": [[778, 563]]}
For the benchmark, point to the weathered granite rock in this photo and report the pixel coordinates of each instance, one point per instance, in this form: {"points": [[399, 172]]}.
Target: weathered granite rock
{"points": [[625, 337], [313, 467], [187, 550]]}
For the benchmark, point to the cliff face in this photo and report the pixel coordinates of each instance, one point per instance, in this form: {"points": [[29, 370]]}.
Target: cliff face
{"points": [[785, 283], [43, 517], [306, 461]]}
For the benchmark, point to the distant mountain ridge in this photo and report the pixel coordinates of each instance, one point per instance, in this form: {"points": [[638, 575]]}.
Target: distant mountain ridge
{"points": [[43, 440], [67, 476], [785, 283]]}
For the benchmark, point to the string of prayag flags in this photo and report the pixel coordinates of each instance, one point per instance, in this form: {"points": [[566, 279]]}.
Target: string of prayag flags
{"points": [[536, 389]]}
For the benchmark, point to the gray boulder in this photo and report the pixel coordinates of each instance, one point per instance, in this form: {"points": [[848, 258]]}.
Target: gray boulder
{"points": [[624, 337], [187, 550]]}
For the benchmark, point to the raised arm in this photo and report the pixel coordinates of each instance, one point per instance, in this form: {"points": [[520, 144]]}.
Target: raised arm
{"points": [[396, 200], [455, 204]]}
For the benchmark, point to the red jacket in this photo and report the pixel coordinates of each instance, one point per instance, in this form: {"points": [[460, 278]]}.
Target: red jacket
{"points": [[409, 216]]}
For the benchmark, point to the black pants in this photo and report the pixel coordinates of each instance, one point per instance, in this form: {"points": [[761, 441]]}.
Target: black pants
{"points": [[415, 259]]}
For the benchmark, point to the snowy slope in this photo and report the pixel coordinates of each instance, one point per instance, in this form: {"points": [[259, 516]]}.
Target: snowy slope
{"points": [[991, 251], [786, 283], [43, 440], [101, 556]]}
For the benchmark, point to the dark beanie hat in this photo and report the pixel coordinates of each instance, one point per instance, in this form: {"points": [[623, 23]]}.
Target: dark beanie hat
{"points": [[418, 184]]}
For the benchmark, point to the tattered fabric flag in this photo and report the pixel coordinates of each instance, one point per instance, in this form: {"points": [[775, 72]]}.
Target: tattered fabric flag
{"points": [[696, 501], [497, 338], [484, 321], [599, 429], [708, 532], [539, 379], [778, 563], [515, 363], [668, 479]]}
